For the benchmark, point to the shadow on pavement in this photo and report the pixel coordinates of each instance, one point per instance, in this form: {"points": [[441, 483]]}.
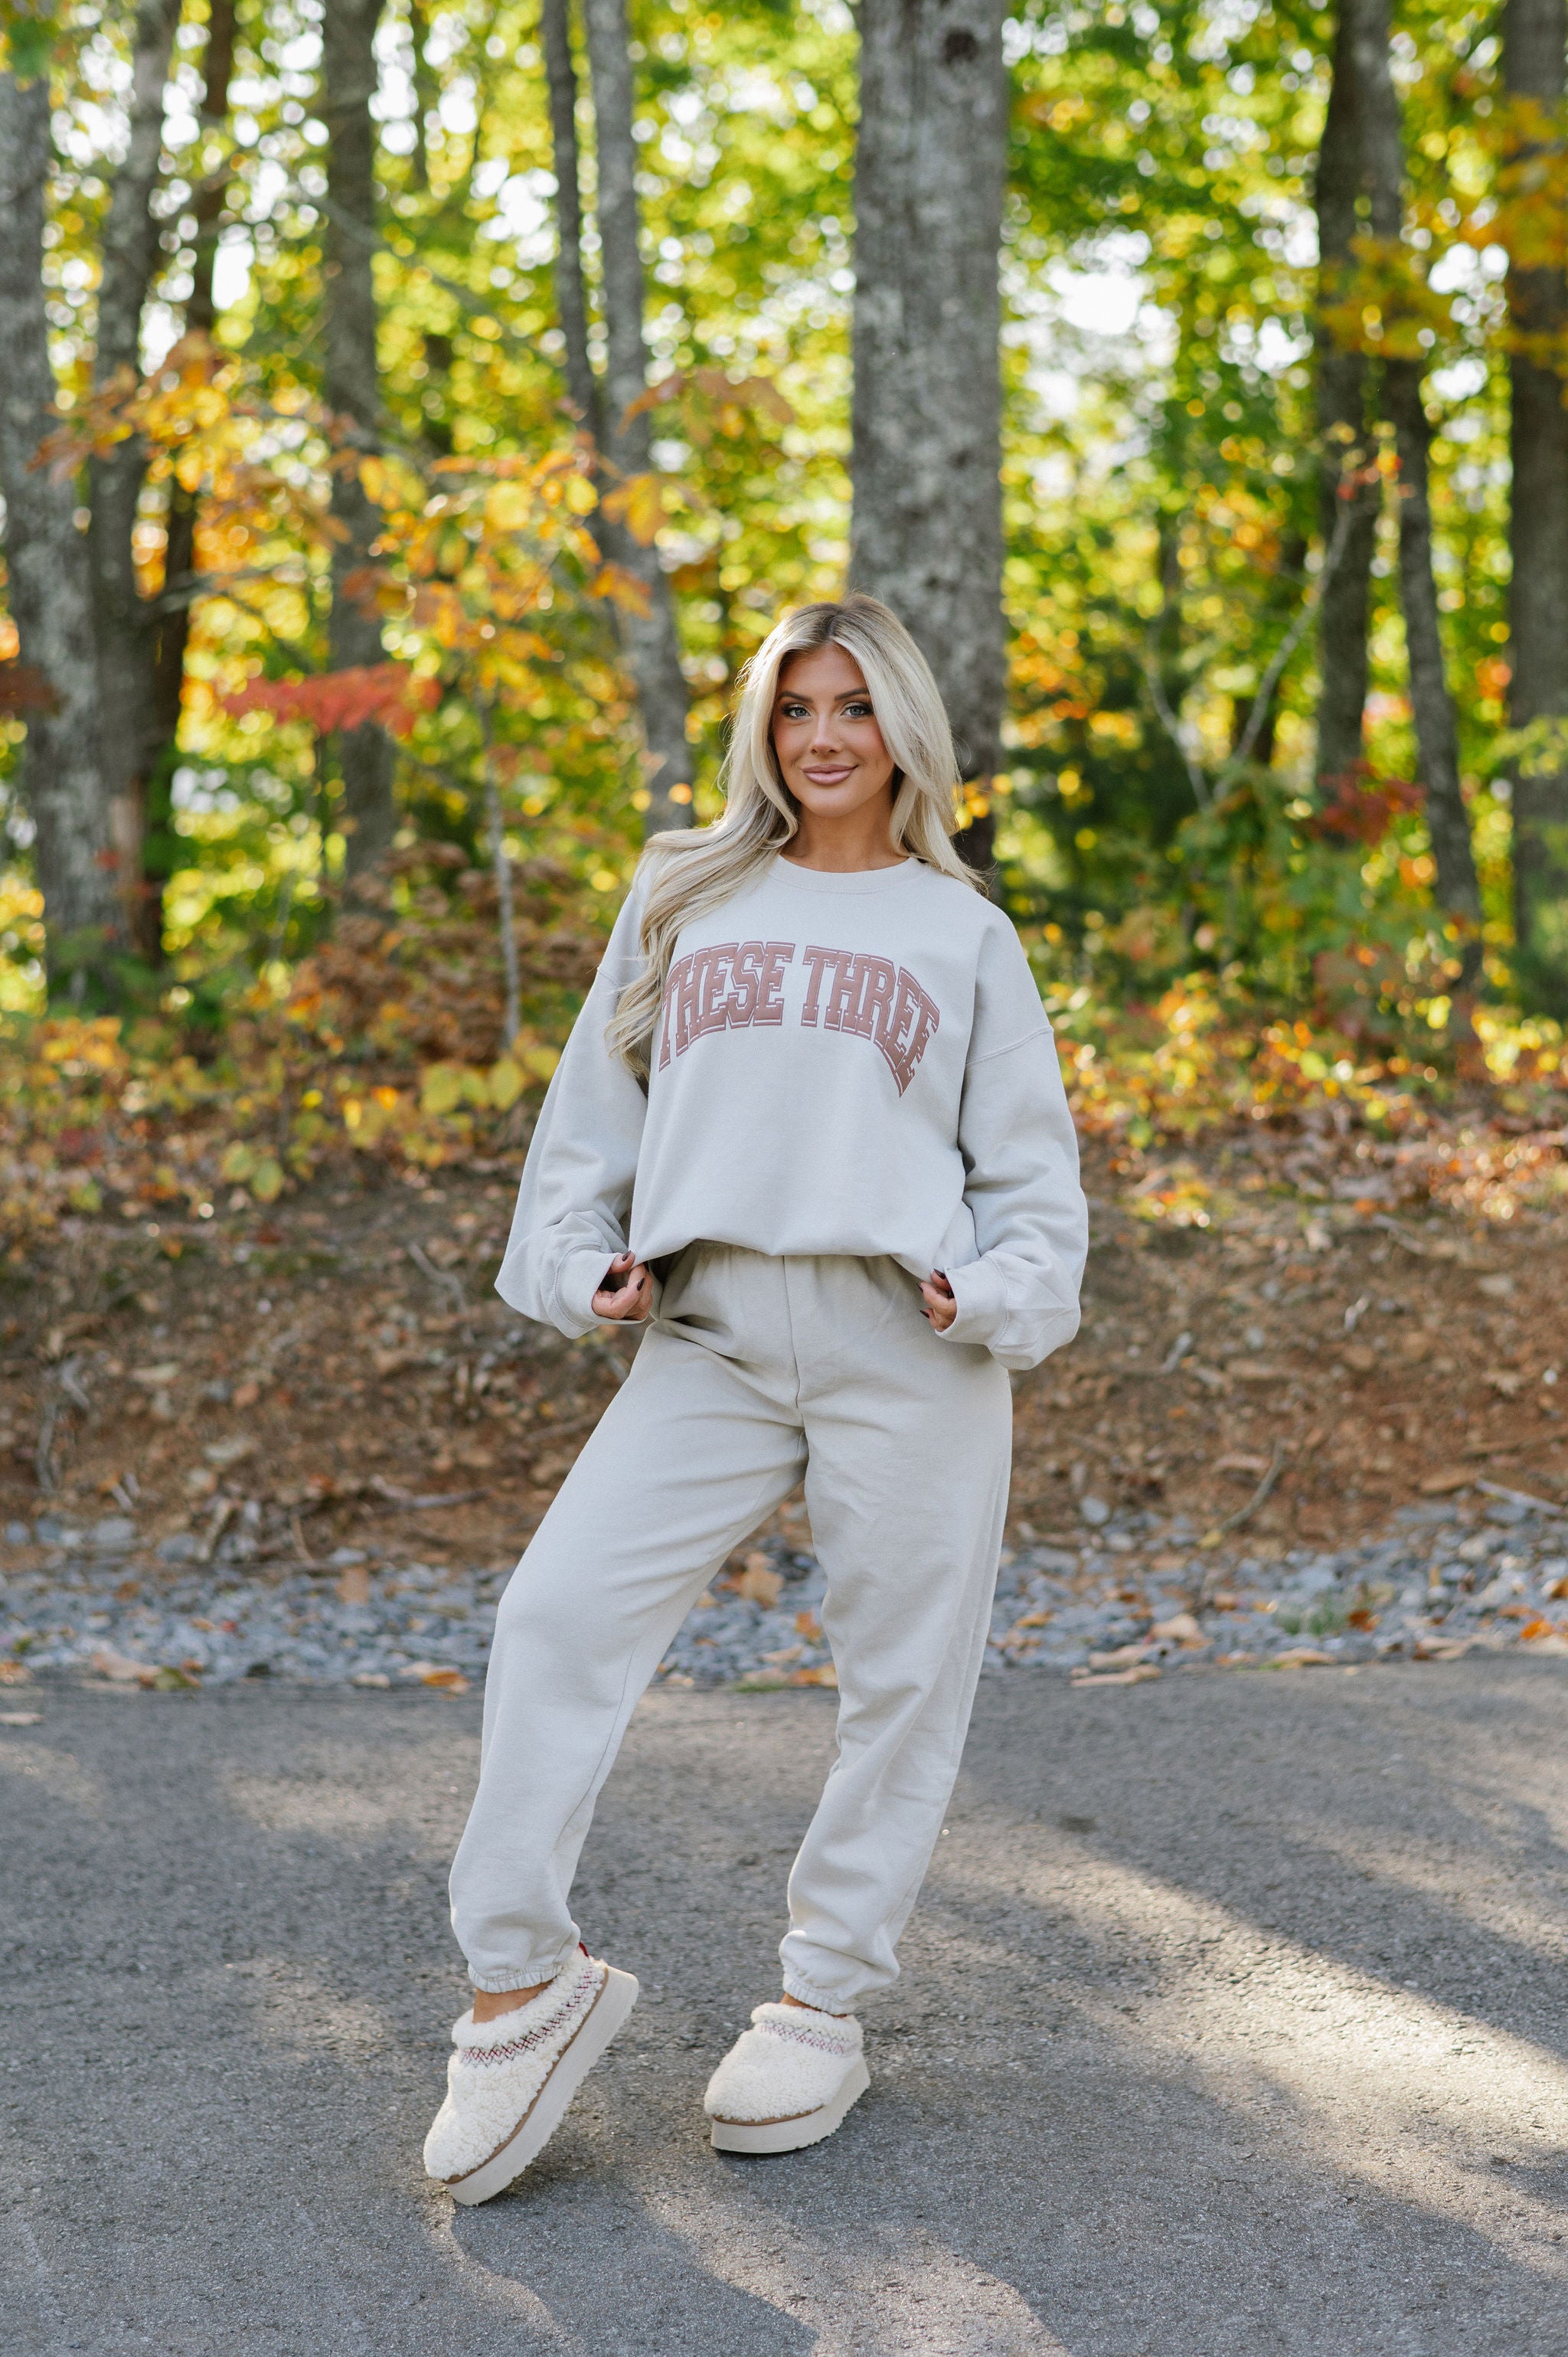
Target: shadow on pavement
{"points": [[1259, 2054]]}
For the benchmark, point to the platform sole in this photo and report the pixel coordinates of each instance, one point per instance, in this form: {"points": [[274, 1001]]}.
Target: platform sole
{"points": [[791, 2135], [607, 2015]]}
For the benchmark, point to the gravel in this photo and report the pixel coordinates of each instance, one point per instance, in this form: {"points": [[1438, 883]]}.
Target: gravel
{"points": [[1126, 1598]]}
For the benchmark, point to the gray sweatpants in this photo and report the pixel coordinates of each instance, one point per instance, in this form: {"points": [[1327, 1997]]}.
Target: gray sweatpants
{"points": [[756, 1371]]}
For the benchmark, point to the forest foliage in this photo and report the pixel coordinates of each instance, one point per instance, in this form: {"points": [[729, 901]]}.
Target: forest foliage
{"points": [[1217, 931]]}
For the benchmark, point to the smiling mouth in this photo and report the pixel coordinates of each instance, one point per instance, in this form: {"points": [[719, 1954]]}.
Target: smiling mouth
{"points": [[829, 776]]}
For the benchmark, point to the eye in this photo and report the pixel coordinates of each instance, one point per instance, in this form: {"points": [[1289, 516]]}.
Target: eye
{"points": [[857, 712], [793, 711]]}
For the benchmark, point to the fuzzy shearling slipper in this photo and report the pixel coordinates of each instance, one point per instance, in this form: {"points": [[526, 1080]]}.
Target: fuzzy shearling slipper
{"points": [[510, 2079], [786, 2081]]}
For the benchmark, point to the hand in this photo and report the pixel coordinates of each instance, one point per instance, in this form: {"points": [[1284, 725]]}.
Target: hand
{"points": [[940, 1307], [625, 1295]]}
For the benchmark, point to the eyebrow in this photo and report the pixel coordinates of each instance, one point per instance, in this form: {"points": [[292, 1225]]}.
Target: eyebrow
{"points": [[849, 695]]}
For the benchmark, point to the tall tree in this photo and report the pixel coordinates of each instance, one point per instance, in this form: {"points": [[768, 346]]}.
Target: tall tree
{"points": [[930, 169], [571, 293], [651, 640], [1535, 44], [201, 318], [123, 624], [348, 78], [1437, 729], [50, 582], [1348, 493]]}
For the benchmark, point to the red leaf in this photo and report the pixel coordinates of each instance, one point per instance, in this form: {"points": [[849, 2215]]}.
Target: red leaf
{"points": [[23, 689], [386, 695]]}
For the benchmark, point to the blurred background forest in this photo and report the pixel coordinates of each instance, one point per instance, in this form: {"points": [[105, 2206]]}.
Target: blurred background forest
{"points": [[414, 416]]}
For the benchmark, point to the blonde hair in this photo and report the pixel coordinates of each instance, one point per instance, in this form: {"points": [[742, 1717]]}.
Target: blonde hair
{"points": [[689, 873]]}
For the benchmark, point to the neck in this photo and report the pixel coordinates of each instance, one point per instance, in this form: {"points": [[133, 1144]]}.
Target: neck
{"points": [[847, 846]]}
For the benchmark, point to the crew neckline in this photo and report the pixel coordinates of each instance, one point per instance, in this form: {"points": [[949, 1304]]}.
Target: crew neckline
{"points": [[841, 879]]}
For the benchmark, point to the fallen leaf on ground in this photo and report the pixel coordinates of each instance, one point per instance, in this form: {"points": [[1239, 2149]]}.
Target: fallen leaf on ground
{"points": [[825, 1675], [14, 1673], [120, 1669], [1438, 1485], [1359, 1358], [354, 1584], [758, 1583], [1302, 1657], [1442, 1649], [1133, 1677], [1181, 1629], [369, 1678], [20, 1717], [1120, 1657]]}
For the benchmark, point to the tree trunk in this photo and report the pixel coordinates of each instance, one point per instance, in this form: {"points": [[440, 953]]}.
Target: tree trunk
{"points": [[349, 74], [171, 629], [122, 624], [651, 641], [1342, 613], [571, 297], [930, 170], [426, 93], [1436, 731], [1535, 37], [50, 580]]}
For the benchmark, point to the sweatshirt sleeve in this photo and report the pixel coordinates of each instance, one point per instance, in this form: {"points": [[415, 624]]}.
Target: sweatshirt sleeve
{"points": [[575, 1196], [1019, 1298]]}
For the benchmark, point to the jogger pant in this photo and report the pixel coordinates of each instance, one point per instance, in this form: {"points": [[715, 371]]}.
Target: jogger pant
{"points": [[756, 1371]]}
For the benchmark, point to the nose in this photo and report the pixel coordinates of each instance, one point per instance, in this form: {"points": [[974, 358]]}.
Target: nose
{"points": [[824, 737]]}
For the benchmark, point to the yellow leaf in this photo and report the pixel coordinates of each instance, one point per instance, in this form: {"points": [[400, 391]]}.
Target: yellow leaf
{"points": [[622, 589], [442, 1089], [580, 496], [508, 1081], [639, 503], [507, 507], [540, 1062], [236, 1165], [266, 1182]]}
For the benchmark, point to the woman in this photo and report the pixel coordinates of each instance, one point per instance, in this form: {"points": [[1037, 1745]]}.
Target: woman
{"points": [[811, 1130]]}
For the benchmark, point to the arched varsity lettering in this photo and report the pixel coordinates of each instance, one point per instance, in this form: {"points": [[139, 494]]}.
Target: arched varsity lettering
{"points": [[728, 984]]}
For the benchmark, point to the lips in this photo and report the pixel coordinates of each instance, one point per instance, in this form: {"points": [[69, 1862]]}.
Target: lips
{"points": [[827, 777]]}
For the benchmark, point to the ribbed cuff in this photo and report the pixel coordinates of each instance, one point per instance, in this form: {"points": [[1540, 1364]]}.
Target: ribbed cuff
{"points": [[823, 2000], [981, 1297], [516, 1976]]}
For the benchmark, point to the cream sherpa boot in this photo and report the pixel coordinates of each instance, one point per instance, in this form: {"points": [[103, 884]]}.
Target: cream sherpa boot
{"points": [[788, 2080], [509, 2082]]}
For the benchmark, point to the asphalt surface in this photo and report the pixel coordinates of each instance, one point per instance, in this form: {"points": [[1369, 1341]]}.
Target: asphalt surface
{"points": [[1231, 2024]]}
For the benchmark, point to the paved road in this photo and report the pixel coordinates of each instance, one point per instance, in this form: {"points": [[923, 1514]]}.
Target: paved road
{"points": [[1233, 2024]]}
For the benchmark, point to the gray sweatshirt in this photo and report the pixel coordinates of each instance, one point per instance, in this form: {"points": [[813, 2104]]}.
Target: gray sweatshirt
{"points": [[854, 1064]]}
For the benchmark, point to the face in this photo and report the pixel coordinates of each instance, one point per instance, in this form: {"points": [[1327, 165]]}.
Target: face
{"points": [[825, 733]]}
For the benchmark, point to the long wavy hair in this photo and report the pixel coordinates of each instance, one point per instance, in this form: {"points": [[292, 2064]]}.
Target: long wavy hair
{"points": [[687, 873]]}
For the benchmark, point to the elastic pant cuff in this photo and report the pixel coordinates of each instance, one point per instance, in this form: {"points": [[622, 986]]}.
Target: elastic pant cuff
{"points": [[825, 2000], [516, 1976]]}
